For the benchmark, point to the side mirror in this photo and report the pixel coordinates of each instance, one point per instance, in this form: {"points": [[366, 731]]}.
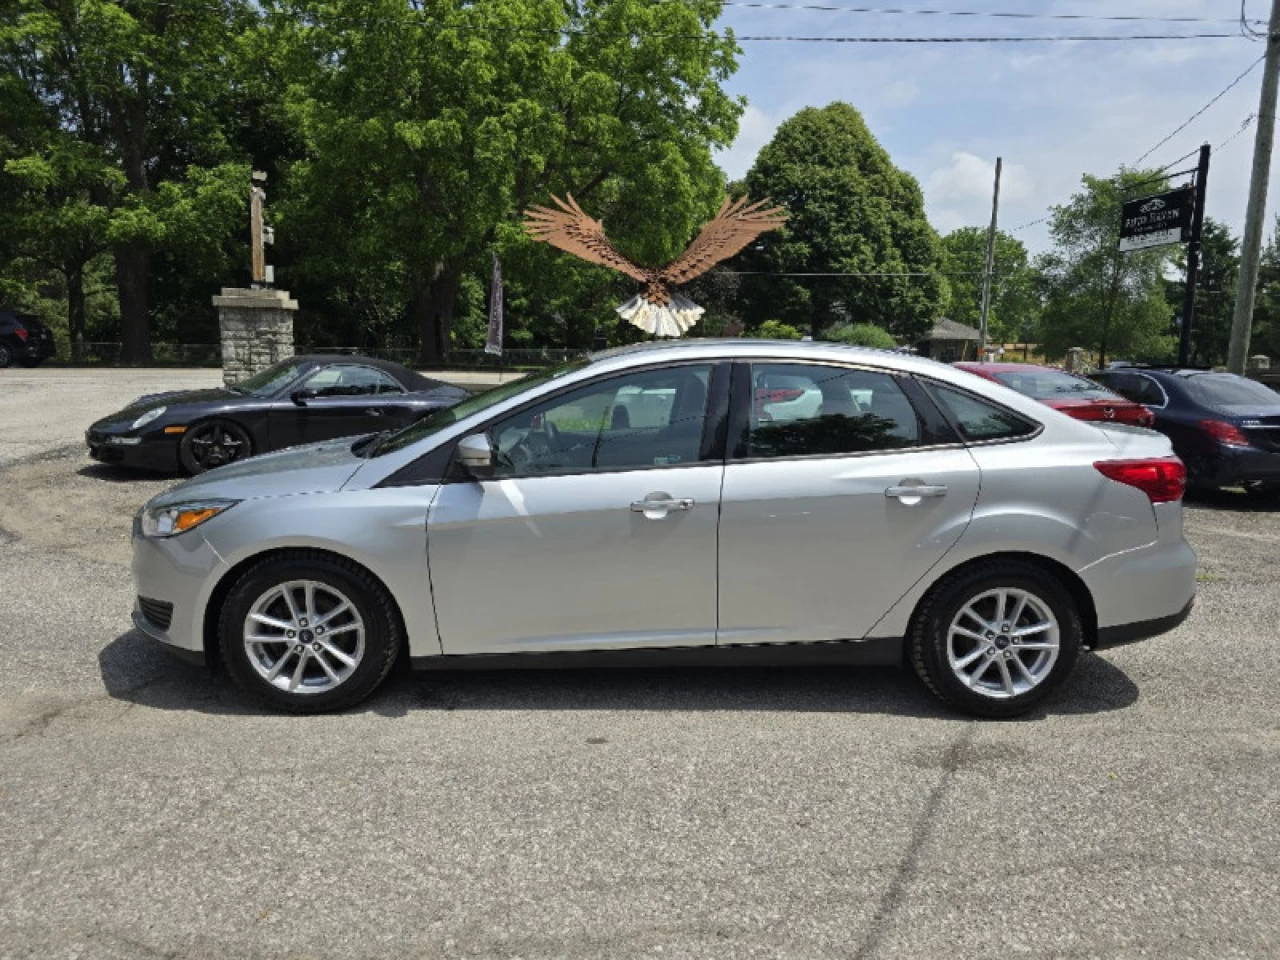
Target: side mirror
{"points": [[300, 397], [475, 455]]}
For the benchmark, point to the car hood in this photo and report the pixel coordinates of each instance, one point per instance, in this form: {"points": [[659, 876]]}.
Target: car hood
{"points": [[314, 468], [174, 398]]}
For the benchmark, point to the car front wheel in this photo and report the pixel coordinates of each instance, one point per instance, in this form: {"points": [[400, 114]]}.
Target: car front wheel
{"points": [[996, 639], [6, 355], [308, 632], [213, 443]]}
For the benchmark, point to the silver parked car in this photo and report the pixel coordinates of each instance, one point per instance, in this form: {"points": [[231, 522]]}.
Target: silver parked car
{"points": [[673, 504]]}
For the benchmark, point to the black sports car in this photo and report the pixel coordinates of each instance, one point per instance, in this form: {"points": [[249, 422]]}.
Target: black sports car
{"points": [[299, 400]]}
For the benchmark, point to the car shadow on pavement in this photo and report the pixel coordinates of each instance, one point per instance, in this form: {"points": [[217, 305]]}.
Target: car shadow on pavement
{"points": [[1232, 501], [114, 473], [134, 668]]}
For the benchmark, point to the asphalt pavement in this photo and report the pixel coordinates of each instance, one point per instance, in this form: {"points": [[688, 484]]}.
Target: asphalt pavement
{"points": [[147, 810]]}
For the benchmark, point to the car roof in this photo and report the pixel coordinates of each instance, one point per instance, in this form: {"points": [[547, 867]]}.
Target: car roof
{"points": [[1010, 367]]}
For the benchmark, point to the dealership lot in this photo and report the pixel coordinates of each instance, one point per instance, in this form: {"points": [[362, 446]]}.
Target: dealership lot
{"points": [[149, 810]]}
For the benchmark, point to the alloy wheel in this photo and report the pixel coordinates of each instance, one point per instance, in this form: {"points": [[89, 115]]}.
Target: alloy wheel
{"points": [[304, 637], [215, 445], [1003, 643]]}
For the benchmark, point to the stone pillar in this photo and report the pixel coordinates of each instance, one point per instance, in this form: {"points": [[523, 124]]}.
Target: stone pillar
{"points": [[1075, 359], [257, 330]]}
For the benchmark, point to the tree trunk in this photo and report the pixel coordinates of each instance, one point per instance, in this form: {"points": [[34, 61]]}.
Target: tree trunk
{"points": [[433, 314], [132, 262], [75, 310]]}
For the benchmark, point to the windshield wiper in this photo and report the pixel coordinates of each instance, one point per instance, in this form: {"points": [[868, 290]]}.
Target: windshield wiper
{"points": [[366, 442]]}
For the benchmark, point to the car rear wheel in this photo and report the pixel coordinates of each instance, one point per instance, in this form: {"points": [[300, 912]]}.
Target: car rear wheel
{"points": [[308, 633], [996, 639], [213, 443], [6, 355]]}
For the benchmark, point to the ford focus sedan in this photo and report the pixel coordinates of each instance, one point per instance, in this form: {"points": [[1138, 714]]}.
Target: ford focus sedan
{"points": [[666, 505]]}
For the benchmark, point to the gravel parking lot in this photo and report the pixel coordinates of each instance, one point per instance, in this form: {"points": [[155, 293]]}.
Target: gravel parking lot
{"points": [[147, 810]]}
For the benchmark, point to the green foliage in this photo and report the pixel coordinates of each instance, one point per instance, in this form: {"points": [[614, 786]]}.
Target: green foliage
{"points": [[1215, 292], [852, 211], [776, 330], [1015, 303], [426, 138], [861, 335], [1266, 304], [1096, 297]]}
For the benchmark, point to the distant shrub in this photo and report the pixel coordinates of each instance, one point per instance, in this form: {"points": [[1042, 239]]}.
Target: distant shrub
{"points": [[861, 335], [777, 330]]}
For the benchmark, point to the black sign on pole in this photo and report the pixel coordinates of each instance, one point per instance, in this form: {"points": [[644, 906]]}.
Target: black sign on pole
{"points": [[1193, 259], [1157, 221]]}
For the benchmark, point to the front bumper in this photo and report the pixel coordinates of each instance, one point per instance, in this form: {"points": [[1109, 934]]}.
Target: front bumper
{"points": [[157, 451], [181, 572]]}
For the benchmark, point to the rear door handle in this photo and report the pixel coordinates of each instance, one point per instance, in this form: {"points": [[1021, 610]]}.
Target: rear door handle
{"points": [[373, 411], [656, 507], [916, 491]]}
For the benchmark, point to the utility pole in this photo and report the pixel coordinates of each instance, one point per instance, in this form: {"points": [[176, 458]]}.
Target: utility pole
{"points": [[1193, 257], [991, 252], [1251, 245]]}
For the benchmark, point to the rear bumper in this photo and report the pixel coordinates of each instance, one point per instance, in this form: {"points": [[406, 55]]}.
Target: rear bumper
{"points": [[1140, 593], [1235, 465], [1142, 629]]}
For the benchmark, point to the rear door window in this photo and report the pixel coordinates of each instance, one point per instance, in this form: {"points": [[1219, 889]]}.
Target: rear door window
{"points": [[804, 410]]}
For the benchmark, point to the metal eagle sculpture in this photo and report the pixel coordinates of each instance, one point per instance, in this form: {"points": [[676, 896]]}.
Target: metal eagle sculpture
{"points": [[657, 309]]}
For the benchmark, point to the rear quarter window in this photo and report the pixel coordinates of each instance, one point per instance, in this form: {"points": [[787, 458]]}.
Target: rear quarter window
{"points": [[979, 420]]}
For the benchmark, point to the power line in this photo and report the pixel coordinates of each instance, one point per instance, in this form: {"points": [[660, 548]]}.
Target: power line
{"points": [[1191, 118], [1126, 18]]}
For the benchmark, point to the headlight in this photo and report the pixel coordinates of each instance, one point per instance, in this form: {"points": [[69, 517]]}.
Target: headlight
{"points": [[148, 417], [180, 517]]}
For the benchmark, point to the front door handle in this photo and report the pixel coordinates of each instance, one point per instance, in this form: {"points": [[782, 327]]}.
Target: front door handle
{"points": [[373, 411], [657, 505], [913, 491]]}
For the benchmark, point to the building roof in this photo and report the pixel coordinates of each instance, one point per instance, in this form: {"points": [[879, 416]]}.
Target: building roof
{"points": [[945, 329]]}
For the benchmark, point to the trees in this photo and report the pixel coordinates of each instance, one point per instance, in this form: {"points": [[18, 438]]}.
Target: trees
{"points": [[1096, 296], [852, 211], [862, 335], [1215, 292], [1015, 304], [428, 129], [130, 95]]}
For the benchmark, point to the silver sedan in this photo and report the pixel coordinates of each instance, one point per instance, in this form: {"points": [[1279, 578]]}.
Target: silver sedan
{"points": [[701, 502]]}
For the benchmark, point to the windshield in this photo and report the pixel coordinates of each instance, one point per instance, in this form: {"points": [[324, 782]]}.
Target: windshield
{"points": [[270, 380], [1052, 385], [481, 401], [1228, 390]]}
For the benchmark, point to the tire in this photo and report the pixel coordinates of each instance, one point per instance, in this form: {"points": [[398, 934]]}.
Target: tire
{"points": [[213, 443], [373, 647], [6, 355], [938, 653]]}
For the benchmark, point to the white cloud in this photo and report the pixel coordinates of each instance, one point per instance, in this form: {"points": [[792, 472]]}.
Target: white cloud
{"points": [[959, 193], [755, 129]]}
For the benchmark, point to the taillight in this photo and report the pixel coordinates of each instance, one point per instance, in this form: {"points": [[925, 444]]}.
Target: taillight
{"points": [[22, 333], [1163, 480], [1225, 433]]}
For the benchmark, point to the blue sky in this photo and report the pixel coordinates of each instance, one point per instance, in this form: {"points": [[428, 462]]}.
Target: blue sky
{"points": [[1052, 110]]}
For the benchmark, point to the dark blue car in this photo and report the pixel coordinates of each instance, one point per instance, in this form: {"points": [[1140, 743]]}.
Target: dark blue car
{"points": [[1225, 428]]}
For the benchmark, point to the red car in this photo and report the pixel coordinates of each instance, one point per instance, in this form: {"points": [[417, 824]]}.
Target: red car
{"points": [[1074, 396]]}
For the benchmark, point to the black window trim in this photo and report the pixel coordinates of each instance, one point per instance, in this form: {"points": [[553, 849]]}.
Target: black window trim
{"points": [[741, 400], [929, 383], [1159, 386]]}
